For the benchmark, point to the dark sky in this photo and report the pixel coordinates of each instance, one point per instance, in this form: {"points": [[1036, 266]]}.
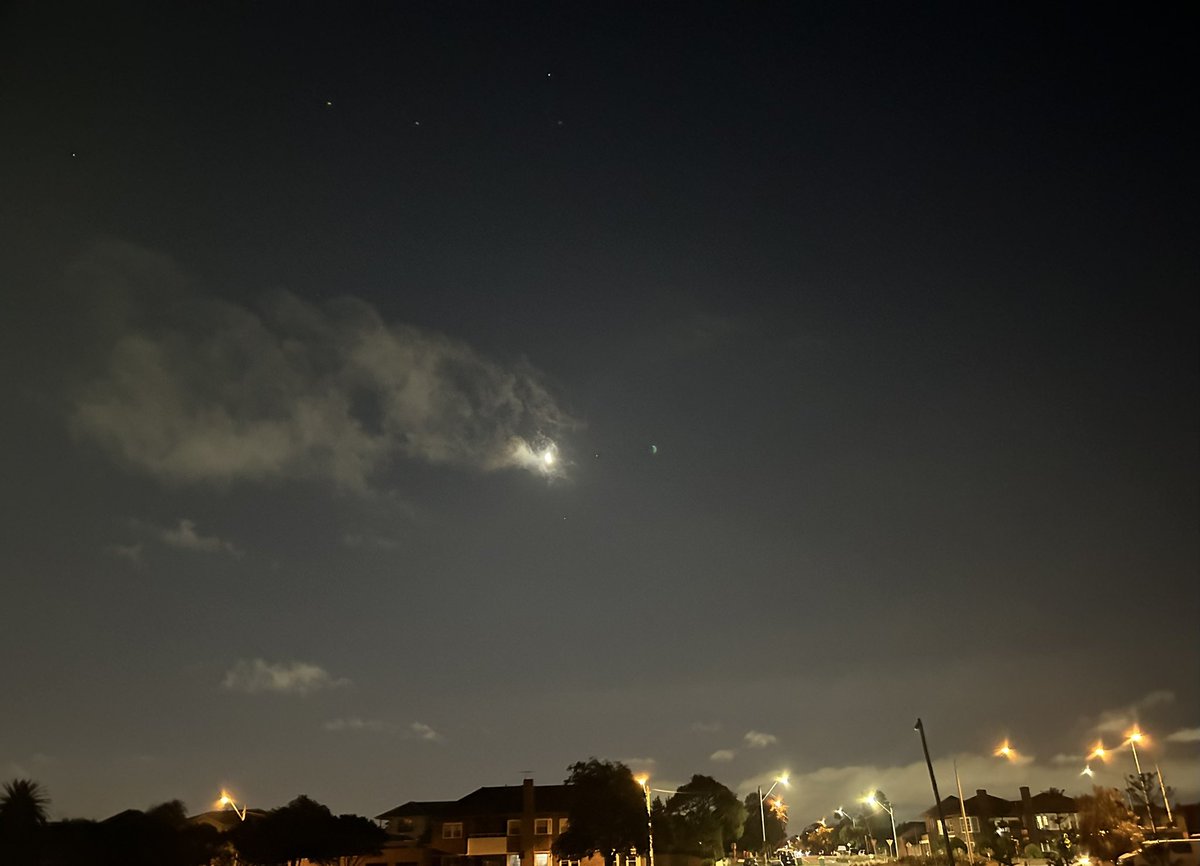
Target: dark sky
{"points": [[861, 338]]}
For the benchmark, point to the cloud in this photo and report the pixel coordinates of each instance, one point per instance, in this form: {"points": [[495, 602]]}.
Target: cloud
{"points": [[759, 740], [185, 537], [297, 678], [356, 724], [1118, 721], [196, 389], [722, 755], [422, 731], [1184, 735], [415, 730], [706, 727], [129, 552], [1061, 758]]}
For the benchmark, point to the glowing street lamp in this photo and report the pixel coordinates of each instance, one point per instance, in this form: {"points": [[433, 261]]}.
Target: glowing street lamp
{"points": [[1134, 737], [226, 800], [762, 815], [1006, 751], [895, 840], [644, 781]]}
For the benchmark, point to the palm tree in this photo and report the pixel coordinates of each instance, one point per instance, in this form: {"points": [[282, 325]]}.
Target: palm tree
{"points": [[23, 806]]}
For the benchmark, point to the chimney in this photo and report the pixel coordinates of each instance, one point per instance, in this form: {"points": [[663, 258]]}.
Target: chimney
{"points": [[527, 804]]}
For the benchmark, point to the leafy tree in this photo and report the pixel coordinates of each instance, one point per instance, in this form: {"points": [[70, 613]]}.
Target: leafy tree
{"points": [[608, 812], [304, 830], [818, 838], [160, 836], [703, 818], [22, 822], [1107, 828], [774, 814]]}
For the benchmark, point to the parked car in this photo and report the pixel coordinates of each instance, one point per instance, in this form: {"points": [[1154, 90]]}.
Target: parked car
{"points": [[1164, 852]]}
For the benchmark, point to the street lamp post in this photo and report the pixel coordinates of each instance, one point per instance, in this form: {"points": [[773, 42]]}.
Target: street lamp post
{"points": [[762, 815], [226, 800], [871, 801], [644, 781], [1135, 737]]}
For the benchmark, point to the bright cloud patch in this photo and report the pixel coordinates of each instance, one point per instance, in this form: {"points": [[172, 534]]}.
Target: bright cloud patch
{"points": [[1185, 735], [297, 678], [196, 389], [759, 740], [185, 536], [422, 731], [722, 756]]}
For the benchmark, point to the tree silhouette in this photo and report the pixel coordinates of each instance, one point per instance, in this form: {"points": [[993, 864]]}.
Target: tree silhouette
{"points": [[703, 817], [608, 812], [22, 822]]}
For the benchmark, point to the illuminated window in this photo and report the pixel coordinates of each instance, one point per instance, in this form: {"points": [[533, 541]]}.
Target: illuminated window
{"points": [[514, 860], [542, 827], [452, 830], [563, 824], [514, 826], [541, 858]]}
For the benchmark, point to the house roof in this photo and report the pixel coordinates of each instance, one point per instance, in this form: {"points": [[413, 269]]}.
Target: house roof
{"points": [[509, 800], [416, 808], [489, 800], [1052, 802]]}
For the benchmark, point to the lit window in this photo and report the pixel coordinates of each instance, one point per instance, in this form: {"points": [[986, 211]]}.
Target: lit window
{"points": [[514, 826], [542, 827], [452, 830], [563, 824], [541, 858], [514, 860]]}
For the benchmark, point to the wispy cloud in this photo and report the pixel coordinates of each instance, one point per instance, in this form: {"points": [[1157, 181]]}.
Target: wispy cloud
{"points": [[255, 676], [354, 723], [1184, 735], [759, 740], [1119, 720], [413, 730], [422, 731], [706, 727], [722, 756], [129, 552], [216, 392], [185, 537]]}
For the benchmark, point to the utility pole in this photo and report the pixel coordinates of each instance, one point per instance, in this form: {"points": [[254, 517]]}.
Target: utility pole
{"points": [[920, 728]]}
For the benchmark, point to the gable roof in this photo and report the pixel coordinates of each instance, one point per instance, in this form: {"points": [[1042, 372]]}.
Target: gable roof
{"points": [[509, 800], [488, 800], [1052, 802], [416, 808]]}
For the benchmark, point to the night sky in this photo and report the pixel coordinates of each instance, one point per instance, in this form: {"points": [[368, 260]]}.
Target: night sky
{"points": [[406, 397]]}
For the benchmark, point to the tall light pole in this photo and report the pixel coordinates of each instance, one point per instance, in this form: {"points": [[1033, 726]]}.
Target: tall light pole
{"points": [[644, 781], [920, 728], [762, 814], [1136, 736], [871, 801]]}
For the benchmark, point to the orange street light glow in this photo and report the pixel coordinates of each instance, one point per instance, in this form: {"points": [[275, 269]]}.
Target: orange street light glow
{"points": [[1006, 751], [1099, 751], [1135, 736]]}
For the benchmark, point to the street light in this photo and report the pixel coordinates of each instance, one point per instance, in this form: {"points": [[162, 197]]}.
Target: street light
{"points": [[871, 801], [1134, 737], [762, 815], [1006, 751], [226, 800], [644, 781]]}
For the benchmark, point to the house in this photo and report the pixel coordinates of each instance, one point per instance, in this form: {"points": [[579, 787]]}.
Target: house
{"points": [[508, 825], [1033, 818]]}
